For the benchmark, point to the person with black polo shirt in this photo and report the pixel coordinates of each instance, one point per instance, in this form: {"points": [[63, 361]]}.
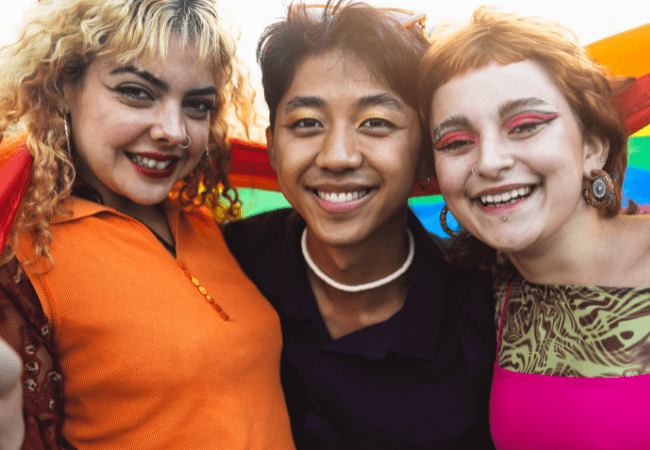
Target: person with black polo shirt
{"points": [[386, 345]]}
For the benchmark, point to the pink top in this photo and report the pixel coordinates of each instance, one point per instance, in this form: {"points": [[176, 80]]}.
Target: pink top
{"points": [[544, 412]]}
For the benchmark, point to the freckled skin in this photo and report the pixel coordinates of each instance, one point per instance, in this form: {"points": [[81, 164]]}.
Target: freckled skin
{"points": [[537, 143]]}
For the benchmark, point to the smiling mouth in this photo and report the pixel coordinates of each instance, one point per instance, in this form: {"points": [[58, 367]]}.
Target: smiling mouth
{"points": [[149, 163], [341, 197], [505, 198]]}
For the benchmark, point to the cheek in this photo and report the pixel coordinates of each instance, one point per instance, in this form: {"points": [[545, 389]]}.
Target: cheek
{"points": [[200, 134], [401, 160], [449, 174]]}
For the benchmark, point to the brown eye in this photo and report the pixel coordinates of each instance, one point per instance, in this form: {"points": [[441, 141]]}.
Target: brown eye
{"points": [[134, 92], [305, 124]]}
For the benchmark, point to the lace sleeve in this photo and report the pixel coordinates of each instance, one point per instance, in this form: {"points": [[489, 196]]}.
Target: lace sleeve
{"points": [[24, 326]]}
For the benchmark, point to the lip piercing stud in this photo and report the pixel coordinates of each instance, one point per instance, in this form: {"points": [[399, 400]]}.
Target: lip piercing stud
{"points": [[504, 218], [189, 142]]}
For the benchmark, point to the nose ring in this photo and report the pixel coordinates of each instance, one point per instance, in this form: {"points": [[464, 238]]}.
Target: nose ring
{"points": [[473, 170], [189, 142]]}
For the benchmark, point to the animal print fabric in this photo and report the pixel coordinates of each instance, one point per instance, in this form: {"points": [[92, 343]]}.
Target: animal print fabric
{"points": [[573, 331]]}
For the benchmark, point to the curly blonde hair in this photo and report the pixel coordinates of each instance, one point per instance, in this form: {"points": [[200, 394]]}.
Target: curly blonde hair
{"points": [[496, 36], [58, 44]]}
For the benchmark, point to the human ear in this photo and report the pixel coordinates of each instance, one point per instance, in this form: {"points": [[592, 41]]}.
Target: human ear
{"points": [[270, 147], [596, 151]]}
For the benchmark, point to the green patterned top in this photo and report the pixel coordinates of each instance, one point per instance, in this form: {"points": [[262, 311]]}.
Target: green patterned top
{"points": [[573, 331]]}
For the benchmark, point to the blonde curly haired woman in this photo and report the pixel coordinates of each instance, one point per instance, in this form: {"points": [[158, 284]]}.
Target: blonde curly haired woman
{"points": [[136, 326]]}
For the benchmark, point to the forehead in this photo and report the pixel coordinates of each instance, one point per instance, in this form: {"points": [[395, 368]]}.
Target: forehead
{"points": [[179, 56], [489, 88], [335, 75]]}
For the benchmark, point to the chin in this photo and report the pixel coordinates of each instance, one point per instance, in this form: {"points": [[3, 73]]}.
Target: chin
{"points": [[507, 243]]}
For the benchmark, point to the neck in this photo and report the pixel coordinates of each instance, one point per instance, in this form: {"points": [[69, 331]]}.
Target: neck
{"points": [[153, 216], [582, 254], [380, 257], [366, 262]]}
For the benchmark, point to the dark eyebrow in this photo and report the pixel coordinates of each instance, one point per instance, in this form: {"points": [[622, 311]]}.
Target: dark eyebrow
{"points": [[160, 84], [456, 121], [368, 100], [210, 90], [381, 99], [509, 107], [151, 78], [303, 102]]}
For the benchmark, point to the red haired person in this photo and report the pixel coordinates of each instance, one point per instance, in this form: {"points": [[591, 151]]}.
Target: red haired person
{"points": [[530, 154]]}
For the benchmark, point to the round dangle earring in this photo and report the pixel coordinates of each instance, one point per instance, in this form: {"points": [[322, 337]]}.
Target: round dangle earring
{"points": [[601, 194], [461, 233]]}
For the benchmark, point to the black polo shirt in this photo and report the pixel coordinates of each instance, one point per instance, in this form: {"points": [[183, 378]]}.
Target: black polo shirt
{"points": [[420, 380]]}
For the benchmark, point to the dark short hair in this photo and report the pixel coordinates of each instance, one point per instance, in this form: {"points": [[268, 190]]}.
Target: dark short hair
{"points": [[391, 52]]}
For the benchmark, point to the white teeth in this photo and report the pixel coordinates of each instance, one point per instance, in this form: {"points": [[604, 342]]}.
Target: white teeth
{"points": [[506, 197], [341, 197], [149, 163]]}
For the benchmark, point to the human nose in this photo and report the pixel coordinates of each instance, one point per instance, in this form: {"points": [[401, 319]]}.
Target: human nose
{"points": [[339, 151], [494, 157], [169, 126]]}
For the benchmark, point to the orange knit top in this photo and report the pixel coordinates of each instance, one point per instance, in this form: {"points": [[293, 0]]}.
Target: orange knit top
{"points": [[159, 352]]}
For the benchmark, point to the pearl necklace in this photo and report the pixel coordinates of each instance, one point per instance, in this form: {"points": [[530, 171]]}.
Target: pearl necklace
{"points": [[359, 287]]}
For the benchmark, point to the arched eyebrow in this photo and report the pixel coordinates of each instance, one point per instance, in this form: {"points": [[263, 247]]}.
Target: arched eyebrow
{"points": [[381, 99], [455, 121], [147, 76], [160, 84], [505, 110], [304, 101], [509, 107]]}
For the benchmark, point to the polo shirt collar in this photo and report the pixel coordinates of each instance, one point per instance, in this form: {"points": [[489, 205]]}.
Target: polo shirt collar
{"points": [[85, 202]]}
